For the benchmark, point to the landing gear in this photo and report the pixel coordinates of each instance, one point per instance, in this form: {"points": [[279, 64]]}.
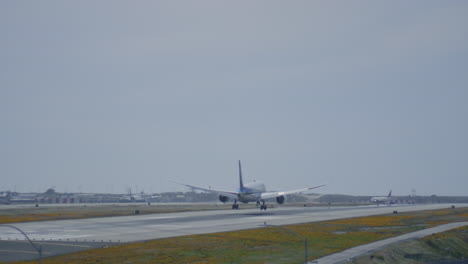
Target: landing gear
{"points": [[263, 206], [235, 206]]}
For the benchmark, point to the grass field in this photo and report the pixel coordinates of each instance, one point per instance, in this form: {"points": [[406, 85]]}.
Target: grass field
{"points": [[47, 212], [28, 213], [269, 244]]}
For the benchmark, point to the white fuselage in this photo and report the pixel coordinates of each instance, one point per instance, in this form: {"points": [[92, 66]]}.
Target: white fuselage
{"points": [[379, 199], [251, 192]]}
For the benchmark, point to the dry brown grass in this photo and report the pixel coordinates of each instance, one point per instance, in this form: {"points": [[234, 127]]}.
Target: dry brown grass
{"points": [[45, 212]]}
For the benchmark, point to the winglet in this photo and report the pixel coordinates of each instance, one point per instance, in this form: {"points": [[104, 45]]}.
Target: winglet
{"points": [[310, 188]]}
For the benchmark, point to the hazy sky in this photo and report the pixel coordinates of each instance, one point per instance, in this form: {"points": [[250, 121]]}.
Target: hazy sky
{"points": [[366, 96]]}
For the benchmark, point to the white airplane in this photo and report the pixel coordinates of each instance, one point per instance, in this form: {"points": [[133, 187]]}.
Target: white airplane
{"points": [[250, 192], [382, 199], [132, 198]]}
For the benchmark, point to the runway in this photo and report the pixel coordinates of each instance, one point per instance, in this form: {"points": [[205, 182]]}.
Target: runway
{"points": [[147, 227]]}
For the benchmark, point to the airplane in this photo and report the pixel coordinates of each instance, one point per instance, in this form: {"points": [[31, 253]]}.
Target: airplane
{"points": [[132, 198], [5, 197], [382, 199], [250, 192]]}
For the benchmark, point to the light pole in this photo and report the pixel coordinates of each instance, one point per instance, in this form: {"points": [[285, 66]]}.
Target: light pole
{"points": [[294, 234], [38, 248]]}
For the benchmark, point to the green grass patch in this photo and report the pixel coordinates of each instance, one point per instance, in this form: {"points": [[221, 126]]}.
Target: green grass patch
{"points": [[443, 247]]}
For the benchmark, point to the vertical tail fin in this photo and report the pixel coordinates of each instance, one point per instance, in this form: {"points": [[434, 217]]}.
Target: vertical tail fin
{"points": [[241, 184], [389, 198]]}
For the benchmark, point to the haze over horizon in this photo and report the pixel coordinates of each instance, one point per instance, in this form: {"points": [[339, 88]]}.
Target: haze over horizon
{"points": [[364, 96]]}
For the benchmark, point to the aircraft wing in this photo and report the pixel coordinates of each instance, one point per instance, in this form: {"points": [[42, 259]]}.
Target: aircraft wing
{"points": [[267, 195], [229, 194]]}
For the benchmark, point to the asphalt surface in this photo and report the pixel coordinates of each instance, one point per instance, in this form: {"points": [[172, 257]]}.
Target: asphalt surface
{"points": [[147, 227], [16, 250]]}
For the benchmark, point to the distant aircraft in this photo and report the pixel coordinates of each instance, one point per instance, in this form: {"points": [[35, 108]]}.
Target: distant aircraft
{"points": [[132, 198], [5, 197], [250, 192], [382, 199]]}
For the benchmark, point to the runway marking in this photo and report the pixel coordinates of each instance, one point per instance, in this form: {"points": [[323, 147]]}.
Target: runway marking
{"points": [[21, 251], [51, 243], [67, 245]]}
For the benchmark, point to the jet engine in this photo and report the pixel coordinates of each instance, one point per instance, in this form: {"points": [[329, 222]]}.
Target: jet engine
{"points": [[280, 199], [223, 198]]}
